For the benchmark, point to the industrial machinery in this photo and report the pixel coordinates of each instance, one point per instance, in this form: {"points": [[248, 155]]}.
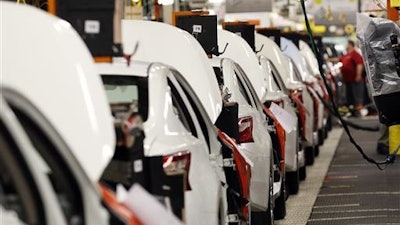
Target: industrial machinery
{"points": [[381, 50]]}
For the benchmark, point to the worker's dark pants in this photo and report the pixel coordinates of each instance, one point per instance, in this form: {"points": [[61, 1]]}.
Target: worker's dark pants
{"points": [[355, 93]]}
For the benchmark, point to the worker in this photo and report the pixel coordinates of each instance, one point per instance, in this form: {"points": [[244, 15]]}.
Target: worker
{"points": [[352, 76], [352, 72]]}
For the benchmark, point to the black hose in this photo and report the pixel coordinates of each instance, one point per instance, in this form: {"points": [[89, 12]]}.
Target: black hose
{"points": [[350, 123]]}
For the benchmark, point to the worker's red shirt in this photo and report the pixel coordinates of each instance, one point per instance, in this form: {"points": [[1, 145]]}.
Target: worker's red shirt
{"points": [[349, 68]]}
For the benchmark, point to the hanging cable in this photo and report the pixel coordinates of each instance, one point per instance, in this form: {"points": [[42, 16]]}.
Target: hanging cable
{"points": [[380, 164]]}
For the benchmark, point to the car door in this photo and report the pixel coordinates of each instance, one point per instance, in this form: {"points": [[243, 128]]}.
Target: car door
{"points": [[77, 196], [232, 167], [211, 182], [248, 88], [24, 187]]}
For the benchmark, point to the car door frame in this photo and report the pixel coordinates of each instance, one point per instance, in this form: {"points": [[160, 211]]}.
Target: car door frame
{"points": [[48, 203], [93, 211]]}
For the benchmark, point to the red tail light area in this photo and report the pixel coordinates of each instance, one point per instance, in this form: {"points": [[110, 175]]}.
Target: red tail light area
{"points": [[246, 130], [178, 163], [243, 168]]}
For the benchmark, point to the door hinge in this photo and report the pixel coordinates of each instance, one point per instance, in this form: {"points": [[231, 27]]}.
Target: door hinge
{"points": [[229, 162], [271, 128], [233, 218]]}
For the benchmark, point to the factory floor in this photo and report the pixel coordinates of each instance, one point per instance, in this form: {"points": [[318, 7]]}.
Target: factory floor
{"points": [[342, 188]]}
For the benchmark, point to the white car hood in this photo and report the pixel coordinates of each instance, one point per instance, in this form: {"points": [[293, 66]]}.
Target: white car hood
{"points": [[291, 50], [239, 51], [47, 62], [272, 51], [273, 94], [308, 53], [160, 42]]}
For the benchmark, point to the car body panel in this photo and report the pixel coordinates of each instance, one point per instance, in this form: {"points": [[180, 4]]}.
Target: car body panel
{"points": [[59, 67], [274, 93], [94, 212], [286, 71], [308, 105], [165, 135], [9, 217], [245, 57], [310, 57], [291, 50], [273, 52], [177, 48], [318, 86], [217, 140], [259, 151], [307, 75], [51, 207], [291, 140]]}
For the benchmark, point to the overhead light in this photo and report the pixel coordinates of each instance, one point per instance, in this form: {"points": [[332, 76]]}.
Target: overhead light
{"points": [[216, 1], [299, 27], [166, 2], [332, 29]]}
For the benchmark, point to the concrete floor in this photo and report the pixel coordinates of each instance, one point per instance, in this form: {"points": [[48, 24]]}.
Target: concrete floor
{"points": [[348, 191]]}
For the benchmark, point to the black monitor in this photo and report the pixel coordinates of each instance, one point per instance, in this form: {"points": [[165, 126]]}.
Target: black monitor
{"points": [[245, 30], [93, 20], [203, 28]]}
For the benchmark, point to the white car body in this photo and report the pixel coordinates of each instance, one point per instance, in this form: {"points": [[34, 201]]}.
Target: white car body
{"points": [[66, 98], [240, 51], [179, 49], [77, 72], [287, 73], [46, 196], [293, 158], [9, 217], [259, 151], [308, 53], [313, 66], [291, 50], [166, 134], [308, 104], [292, 155]]}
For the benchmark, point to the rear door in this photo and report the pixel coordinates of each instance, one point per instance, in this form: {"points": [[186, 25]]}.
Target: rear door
{"points": [[235, 175], [76, 195], [211, 183], [24, 188]]}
